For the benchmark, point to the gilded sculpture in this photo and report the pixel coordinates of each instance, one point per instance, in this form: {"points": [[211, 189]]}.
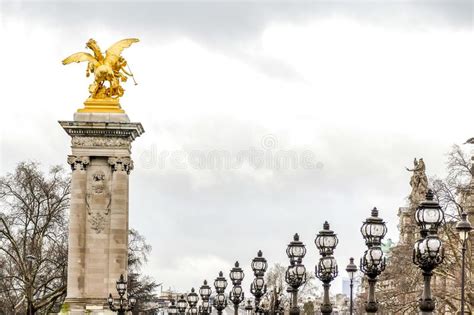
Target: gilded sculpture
{"points": [[109, 70]]}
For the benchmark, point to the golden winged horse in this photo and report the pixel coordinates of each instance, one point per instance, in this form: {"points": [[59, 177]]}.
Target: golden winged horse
{"points": [[110, 68]]}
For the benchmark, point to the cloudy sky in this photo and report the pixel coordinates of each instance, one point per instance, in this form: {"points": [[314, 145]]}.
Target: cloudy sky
{"points": [[351, 90]]}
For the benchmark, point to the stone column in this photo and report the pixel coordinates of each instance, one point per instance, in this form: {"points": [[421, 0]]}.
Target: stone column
{"points": [[118, 241], [76, 229], [98, 223]]}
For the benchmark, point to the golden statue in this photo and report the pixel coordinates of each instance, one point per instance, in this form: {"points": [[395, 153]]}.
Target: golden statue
{"points": [[109, 68]]}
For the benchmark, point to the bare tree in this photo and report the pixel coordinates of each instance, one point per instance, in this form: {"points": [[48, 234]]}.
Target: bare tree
{"points": [[276, 285], [275, 277], [399, 286], [33, 239], [453, 193]]}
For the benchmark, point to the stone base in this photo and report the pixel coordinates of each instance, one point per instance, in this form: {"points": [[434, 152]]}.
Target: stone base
{"points": [[107, 105], [74, 306], [101, 117]]}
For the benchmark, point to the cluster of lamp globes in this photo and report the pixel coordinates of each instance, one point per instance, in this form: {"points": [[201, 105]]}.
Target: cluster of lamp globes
{"points": [[189, 303], [124, 304], [428, 253]]}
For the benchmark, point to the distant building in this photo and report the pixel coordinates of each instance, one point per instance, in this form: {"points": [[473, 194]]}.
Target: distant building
{"points": [[346, 286]]}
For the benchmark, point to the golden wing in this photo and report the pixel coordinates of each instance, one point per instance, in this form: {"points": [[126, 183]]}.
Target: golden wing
{"points": [[117, 48], [79, 57]]}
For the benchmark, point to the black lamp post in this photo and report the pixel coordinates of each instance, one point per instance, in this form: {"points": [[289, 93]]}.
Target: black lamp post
{"points": [[193, 299], [464, 228], [220, 301], [205, 293], [124, 305], [258, 287], [428, 251], [351, 270], [172, 308], [182, 305], [248, 307], [236, 295], [373, 262], [326, 270], [296, 272]]}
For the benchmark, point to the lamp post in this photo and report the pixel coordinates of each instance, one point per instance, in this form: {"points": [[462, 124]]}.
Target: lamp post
{"points": [[428, 251], [248, 307], [258, 287], [205, 293], [172, 308], [182, 305], [373, 262], [220, 301], [351, 270], [236, 295], [278, 309], [296, 272], [124, 304], [464, 228], [193, 299], [326, 270]]}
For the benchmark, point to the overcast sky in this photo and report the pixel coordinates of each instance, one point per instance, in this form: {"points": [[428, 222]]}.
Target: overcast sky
{"points": [[353, 89]]}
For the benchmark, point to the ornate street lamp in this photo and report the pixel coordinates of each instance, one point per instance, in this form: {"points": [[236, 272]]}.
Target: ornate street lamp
{"points": [[220, 283], [296, 272], [220, 301], [124, 304], [236, 295], [428, 251], [259, 264], [326, 270], [205, 308], [373, 229], [258, 287], [464, 228], [326, 241], [351, 271], [373, 262], [429, 215], [182, 305], [193, 299], [172, 308], [205, 293], [296, 250]]}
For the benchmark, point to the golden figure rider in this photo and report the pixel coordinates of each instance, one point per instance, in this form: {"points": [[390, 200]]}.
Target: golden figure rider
{"points": [[106, 69]]}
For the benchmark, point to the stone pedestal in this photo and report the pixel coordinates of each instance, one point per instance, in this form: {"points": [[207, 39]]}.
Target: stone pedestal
{"points": [[98, 219]]}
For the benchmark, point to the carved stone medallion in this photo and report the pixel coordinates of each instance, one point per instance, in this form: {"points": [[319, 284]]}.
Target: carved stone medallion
{"points": [[98, 200]]}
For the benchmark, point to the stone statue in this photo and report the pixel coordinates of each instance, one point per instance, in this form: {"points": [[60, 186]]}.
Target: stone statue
{"points": [[109, 68], [418, 182]]}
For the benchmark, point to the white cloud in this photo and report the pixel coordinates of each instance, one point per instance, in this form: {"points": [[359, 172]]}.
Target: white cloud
{"points": [[364, 98]]}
